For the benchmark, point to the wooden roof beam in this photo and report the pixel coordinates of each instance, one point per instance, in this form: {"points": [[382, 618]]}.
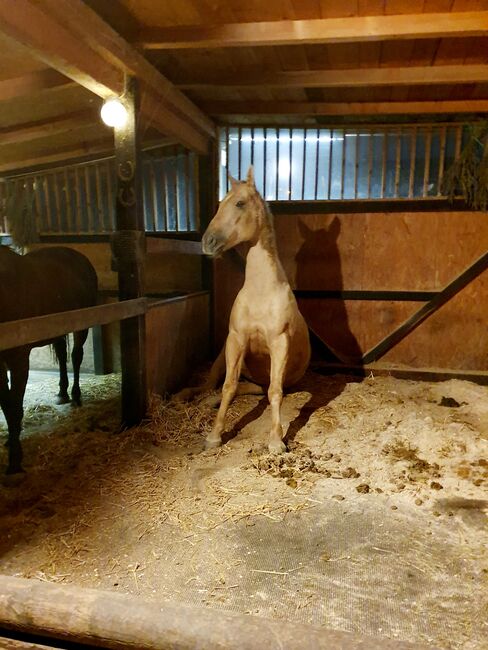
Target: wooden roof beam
{"points": [[47, 127], [325, 30], [71, 38], [246, 108], [33, 82], [421, 75]]}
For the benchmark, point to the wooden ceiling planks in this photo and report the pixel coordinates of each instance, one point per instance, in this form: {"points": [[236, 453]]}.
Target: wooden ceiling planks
{"points": [[127, 17]]}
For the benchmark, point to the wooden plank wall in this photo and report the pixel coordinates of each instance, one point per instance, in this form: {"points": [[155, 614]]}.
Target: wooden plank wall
{"points": [[420, 251], [177, 335]]}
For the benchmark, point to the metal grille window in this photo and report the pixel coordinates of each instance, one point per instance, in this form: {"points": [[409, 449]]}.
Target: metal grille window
{"points": [[79, 198], [390, 162]]}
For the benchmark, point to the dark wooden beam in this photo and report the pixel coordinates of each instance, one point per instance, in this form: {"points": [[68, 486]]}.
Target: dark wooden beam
{"points": [[43, 328], [397, 296], [242, 109], [71, 38], [33, 82], [129, 251], [344, 78], [353, 29], [408, 326]]}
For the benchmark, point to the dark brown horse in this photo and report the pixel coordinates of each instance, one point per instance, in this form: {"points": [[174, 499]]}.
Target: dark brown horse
{"points": [[42, 282]]}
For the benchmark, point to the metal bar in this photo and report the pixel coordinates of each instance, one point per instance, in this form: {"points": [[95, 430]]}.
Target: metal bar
{"points": [[383, 164], [239, 152], [88, 203], [459, 137], [16, 333], [304, 162], [57, 198], [290, 158], [364, 294], [78, 200], [110, 195], [317, 151], [442, 157], [98, 186], [187, 189], [428, 147], [331, 143], [356, 166], [370, 161], [177, 194], [277, 164], [343, 162], [398, 157], [265, 153], [47, 202], [413, 150], [154, 196], [165, 198], [67, 198], [226, 160], [454, 287]]}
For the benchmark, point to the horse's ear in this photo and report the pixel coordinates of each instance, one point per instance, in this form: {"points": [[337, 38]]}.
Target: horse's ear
{"points": [[250, 176], [233, 182]]}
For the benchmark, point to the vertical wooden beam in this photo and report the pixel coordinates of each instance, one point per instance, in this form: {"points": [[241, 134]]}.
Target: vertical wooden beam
{"points": [[207, 202], [128, 247]]}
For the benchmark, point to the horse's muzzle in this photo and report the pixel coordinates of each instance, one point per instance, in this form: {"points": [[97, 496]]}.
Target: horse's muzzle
{"points": [[212, 244]]}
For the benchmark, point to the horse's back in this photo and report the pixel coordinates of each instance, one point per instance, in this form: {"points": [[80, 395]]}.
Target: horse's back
{"points": [[74, 280], [44, 281]]}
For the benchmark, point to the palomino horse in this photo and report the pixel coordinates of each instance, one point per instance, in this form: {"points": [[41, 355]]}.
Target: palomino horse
{"points": [[42, 282], [268, 337]]}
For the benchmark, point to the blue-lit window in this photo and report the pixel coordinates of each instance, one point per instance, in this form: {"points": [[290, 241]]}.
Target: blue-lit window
{"points": [[307, 164]]}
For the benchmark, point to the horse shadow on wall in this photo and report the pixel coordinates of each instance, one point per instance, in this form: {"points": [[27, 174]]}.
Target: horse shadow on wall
{"points": [[316, 266]]}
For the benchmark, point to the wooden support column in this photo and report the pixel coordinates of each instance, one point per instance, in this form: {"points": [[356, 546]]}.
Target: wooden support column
{"points": [[128, 249], [207, 202]]}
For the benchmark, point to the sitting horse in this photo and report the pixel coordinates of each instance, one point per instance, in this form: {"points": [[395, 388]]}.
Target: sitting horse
{"points": [[268, 338], [41, 282]]}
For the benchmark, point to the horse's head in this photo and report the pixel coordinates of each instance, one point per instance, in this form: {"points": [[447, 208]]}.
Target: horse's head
{"points": [[238, 219]]}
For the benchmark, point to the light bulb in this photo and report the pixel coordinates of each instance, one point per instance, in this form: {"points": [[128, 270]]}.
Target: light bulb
{"points": [[114, 113]]}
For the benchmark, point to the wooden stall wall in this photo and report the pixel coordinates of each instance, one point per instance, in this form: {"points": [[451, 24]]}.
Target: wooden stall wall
{"points": [[415, 251], [166, 272]]}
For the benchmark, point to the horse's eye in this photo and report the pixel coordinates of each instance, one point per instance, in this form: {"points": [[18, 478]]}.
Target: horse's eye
{"points": [[240, 204]]}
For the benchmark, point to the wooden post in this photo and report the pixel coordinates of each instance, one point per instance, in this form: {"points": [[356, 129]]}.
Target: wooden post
{"points": [[128, 249]]}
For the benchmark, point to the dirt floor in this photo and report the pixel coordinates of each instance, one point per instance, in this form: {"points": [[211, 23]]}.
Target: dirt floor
{"points": [[374, 522]]}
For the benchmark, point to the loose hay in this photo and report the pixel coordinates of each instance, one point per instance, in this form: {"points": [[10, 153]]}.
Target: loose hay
{"points": [[121, 510]]}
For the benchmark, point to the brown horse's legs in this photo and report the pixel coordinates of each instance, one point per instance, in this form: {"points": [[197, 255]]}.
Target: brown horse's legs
{"points": [[279, 357], [19, 373], [77, 358], [62, 357], [4, 393], [234, 355]]}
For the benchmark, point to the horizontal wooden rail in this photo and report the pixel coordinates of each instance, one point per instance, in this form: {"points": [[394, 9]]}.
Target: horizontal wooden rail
{"points": [[44, 328], [346, 294], [102, 619]]}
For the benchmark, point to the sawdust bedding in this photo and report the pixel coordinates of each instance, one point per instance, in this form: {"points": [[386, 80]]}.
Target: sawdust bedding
{"points": [[97, 505]]}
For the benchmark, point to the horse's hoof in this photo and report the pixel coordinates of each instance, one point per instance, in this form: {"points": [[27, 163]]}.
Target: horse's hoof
{"points": [[76, 403], [277, 447], [212, 444], [62, 399], [14, 479]]}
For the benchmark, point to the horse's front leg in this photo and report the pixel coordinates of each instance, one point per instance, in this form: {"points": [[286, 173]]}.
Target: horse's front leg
{"points": [[235, 348], [279, 358], [19, 373]]}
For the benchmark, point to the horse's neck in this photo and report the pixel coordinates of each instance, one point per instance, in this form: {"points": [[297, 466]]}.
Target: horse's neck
{"points": [[263, 267]]}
